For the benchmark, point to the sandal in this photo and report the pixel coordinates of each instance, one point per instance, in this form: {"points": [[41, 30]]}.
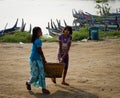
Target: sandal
{"points": [[64, 83], [53, 80], [28, 86], [45, 91]]}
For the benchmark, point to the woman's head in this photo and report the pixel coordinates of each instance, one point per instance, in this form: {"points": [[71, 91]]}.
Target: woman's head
{"points": [[67, 30], [36, 33]]}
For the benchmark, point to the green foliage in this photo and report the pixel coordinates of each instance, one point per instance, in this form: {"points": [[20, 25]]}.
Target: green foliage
{"points": [[53, 39], [109, 34], [117, 10], [99, 1], [16, 37], [83, 33], [79, 35], [103, 7]]}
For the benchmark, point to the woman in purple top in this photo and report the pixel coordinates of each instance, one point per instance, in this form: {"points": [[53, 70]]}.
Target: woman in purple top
{"points": [[64, 40]]}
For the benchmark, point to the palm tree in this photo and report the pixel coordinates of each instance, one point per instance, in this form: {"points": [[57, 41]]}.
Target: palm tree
{"points": [[103, 7]]}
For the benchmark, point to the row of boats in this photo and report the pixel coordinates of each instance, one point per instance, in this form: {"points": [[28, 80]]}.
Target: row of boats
{"points": [[56, 29], [110, 22], [15, 28]]}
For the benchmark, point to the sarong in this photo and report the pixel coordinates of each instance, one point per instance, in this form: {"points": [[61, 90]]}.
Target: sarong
{"points": [[37, 78]]}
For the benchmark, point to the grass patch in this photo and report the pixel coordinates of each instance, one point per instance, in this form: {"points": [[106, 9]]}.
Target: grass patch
{"points": [[77, 36], [81, 34], [16, 37], [109, 34], [53, 39]]}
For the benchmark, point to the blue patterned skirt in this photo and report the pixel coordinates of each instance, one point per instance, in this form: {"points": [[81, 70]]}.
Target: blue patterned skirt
{"points": [[37, 78]]}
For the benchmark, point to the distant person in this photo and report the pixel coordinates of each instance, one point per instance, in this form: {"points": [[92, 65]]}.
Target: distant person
{"points": [[106, 27], [64, 40], [89, 38], [118, 27], [37, 60]]}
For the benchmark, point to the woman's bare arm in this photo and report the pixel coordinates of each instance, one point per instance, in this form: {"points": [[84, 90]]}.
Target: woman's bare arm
{"points": [[42, 54]]}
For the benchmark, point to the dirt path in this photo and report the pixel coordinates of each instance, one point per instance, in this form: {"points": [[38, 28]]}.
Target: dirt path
{"points": [[94, 70]]}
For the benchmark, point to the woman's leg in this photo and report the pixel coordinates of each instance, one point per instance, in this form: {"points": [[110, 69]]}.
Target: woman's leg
{"points": [[53, 80], [41, 80], [33, 76], [66, 60]]}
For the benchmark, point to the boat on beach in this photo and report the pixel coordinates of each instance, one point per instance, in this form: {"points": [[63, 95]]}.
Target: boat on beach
{"points": [[111, 21], [15, 28], [55, 30], [9, 30]]}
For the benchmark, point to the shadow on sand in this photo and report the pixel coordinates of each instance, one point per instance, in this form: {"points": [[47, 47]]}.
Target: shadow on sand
{"points": [[66, 92]]}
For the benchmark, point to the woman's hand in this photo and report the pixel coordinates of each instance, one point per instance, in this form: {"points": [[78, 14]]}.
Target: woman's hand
{"points": [[44, 61], [61, 60]]}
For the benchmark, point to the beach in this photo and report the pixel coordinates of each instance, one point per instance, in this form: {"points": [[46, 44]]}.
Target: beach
{"points": [[94, 70]]}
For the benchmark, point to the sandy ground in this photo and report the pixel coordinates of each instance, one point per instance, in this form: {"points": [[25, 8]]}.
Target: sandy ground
{"points": [[94, 70]]}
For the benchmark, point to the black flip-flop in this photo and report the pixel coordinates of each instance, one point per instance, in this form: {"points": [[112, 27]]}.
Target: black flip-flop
{"points": [[64, 83], [45, 91], [28, 86], [53, 80]]}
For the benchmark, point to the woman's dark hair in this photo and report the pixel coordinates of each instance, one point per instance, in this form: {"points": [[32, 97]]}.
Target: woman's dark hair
{"points": [[68, 28], [35, 33]]}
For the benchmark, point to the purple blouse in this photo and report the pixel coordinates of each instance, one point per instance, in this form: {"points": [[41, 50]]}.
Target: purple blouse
{"points": [[65, 41]]}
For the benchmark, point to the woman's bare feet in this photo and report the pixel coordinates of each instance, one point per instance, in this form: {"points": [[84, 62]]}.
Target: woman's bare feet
{"points": [[45, 91], [64, 83], [28, 86], [53, 80]]}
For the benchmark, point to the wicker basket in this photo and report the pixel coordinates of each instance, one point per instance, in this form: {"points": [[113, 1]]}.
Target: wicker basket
{"points": [[54, 70]]}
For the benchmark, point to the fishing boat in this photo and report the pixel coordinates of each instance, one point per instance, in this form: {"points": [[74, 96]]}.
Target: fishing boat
{"points": [[9, 30], [111, 21], [15, 28], [55, 30]]}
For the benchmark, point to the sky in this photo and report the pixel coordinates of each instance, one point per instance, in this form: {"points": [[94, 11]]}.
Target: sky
{"points": [[40, 12]]}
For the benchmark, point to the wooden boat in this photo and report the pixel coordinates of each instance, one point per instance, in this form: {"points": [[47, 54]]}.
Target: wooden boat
{"points": [[83, 18], [55, 30], [30, 29], [9, 30], [22, 29], [14, 28]]}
